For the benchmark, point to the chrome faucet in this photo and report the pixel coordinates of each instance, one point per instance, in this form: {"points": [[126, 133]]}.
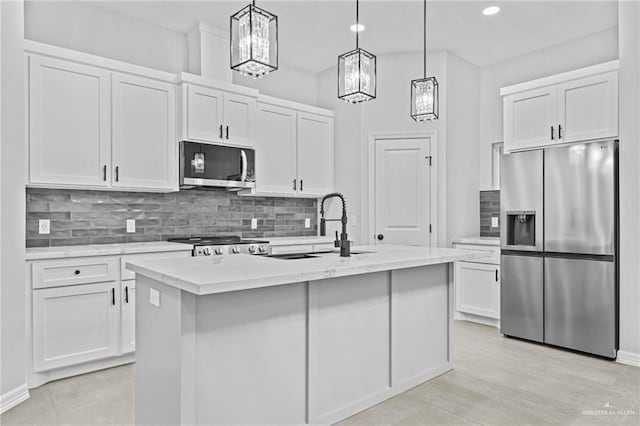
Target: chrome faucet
{"points": [[343, 242]]}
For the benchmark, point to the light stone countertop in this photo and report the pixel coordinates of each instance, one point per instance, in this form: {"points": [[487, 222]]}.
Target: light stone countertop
{"points": [[481, 241], [290, 241], [205, 275], [41, 253]]}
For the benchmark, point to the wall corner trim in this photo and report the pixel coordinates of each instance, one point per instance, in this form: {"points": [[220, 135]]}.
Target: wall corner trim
{"points": [[628, 358], [14, 397]]}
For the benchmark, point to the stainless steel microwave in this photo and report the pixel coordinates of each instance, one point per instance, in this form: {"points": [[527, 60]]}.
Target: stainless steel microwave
{"points": [[209, 165]]}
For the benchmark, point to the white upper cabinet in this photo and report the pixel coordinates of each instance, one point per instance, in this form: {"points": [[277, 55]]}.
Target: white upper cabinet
{"points": [[275, 149], [69, 123], [239, 113], [144, 145], [315, 154], [202, 113], [571, 107]]}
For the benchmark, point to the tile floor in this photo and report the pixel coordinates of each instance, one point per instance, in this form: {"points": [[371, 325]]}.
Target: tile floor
{"points": [[496, 381]]}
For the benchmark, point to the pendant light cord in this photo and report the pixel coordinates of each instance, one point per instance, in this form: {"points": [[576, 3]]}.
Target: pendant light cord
{"points": [[425, 39], [357, 25]]}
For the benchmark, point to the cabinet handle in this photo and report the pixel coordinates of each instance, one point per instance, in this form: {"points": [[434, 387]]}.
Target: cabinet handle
{"points": [[77, 272], [301, 184], [227, 132], [113, 296], [104, 173], [294, 185], [126, 294], [497, 275], [221, 131], [559, 131], [551, 132], [117, 173]]}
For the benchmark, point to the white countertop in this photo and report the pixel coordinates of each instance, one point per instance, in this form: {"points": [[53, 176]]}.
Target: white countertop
{"points": [[205, 275], [40, 253], [291, 241], [481, 241]]}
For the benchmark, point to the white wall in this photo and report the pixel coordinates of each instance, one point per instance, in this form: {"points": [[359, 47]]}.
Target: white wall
{"points": [[591, 50], [457, 131], [286, 82], [12, 198], [81, 26], [629, 90]]}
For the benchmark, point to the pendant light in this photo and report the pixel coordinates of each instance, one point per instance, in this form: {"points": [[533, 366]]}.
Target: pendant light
{"points": [[357, 72], [254, 41], [424, 91]]}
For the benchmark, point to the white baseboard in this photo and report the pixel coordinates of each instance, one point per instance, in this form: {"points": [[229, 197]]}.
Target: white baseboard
{"points": [[628, 358], [13, 397]]}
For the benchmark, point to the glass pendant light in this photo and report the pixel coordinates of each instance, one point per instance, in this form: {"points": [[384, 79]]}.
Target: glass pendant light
{"points": [[357, 72], [424, 91], [254, 41]]}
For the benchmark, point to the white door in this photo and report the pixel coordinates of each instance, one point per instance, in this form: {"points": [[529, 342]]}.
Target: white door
{"points": [[402, 191], [75, 324], [69, 123], [203, 114], [530, 119], [275, 144], [128, 302], [478, 289], [144, 145], [315, 154], [239, 113], [588, 108]]}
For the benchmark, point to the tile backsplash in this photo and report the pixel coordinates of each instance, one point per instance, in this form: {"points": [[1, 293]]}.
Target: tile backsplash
{"points": [[489, 207], [99, 217]]}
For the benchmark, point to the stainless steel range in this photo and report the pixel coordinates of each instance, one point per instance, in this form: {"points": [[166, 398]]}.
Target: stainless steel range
{"points": [[224, 244]]}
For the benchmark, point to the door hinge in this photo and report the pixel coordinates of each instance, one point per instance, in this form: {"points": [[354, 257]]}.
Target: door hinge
{"points": [[428, 157]]}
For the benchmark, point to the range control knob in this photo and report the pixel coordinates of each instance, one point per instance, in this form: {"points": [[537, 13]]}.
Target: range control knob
{"points": [[206, 251], [219, 251], [252, 249], [262, 249], [235, 250]]}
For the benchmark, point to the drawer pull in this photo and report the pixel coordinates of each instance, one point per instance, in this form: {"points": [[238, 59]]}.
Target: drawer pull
{"points": [[77, 272], [113, 296]]}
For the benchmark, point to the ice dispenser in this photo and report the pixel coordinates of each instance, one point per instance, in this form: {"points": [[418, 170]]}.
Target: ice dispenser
{"points": [[521, 228]]}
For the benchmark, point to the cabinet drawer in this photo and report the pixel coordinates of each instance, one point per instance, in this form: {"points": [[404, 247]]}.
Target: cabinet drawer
{"points": [[58, 273], [493, 258], [126, 274]]}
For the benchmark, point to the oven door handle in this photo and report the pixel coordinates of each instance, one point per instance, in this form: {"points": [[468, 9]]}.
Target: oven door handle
{"points": [[243, 173]]}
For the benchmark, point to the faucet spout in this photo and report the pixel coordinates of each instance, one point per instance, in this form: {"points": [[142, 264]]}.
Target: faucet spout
{"points": [[343, 242]]}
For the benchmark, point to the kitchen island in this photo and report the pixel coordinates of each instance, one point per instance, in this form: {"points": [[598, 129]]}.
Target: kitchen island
{"points": [[244, 339]]}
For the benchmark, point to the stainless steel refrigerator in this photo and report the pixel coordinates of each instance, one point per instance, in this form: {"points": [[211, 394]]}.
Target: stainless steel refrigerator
{"points": [[559, 241]]}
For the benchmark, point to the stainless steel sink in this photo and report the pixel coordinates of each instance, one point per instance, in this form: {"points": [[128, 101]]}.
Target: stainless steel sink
{"points": [[292, 256]]}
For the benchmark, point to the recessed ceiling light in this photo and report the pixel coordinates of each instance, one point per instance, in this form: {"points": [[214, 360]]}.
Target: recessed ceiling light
{"points": [[491, 10], [356, 28]]}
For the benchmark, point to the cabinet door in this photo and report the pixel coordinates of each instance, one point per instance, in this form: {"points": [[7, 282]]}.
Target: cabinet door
{"points": [[239, 113], [144, 145], [275, 149], [530, 119], [588, 108], [203, 114], [128, 301], [69, 123], [315, 154], [75, 324], [478, 289]]}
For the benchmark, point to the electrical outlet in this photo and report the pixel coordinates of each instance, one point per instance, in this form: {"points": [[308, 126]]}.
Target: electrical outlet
{"points": [[154, 297], [494, 222], [307, 223], [131, 225], [254, 223], [44, 226]]}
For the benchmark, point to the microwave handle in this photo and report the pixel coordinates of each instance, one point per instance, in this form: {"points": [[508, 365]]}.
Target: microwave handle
{"points": [[243, 157]]}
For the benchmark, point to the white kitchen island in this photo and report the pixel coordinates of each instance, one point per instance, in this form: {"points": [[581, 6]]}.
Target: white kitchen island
{"points": [[246, 339]]}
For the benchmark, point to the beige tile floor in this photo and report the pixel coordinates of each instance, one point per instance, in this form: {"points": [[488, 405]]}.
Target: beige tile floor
{"points": [[496, 381]]}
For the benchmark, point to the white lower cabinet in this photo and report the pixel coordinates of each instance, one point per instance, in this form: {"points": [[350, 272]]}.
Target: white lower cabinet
{"points": [[128, 315], [75, 324], [478, 289]]}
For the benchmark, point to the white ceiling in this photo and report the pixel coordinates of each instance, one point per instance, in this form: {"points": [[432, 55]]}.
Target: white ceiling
{"points": [[313, 33]]}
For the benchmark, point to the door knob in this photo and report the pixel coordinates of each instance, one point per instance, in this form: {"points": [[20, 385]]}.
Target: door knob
{"points": [[380, 237]]}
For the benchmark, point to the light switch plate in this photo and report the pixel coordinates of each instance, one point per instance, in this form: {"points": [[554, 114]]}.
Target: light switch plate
{"points": [[494, 221], [131, 225], [154, 297], [254, 223], [44, 226], [307, 222]]}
